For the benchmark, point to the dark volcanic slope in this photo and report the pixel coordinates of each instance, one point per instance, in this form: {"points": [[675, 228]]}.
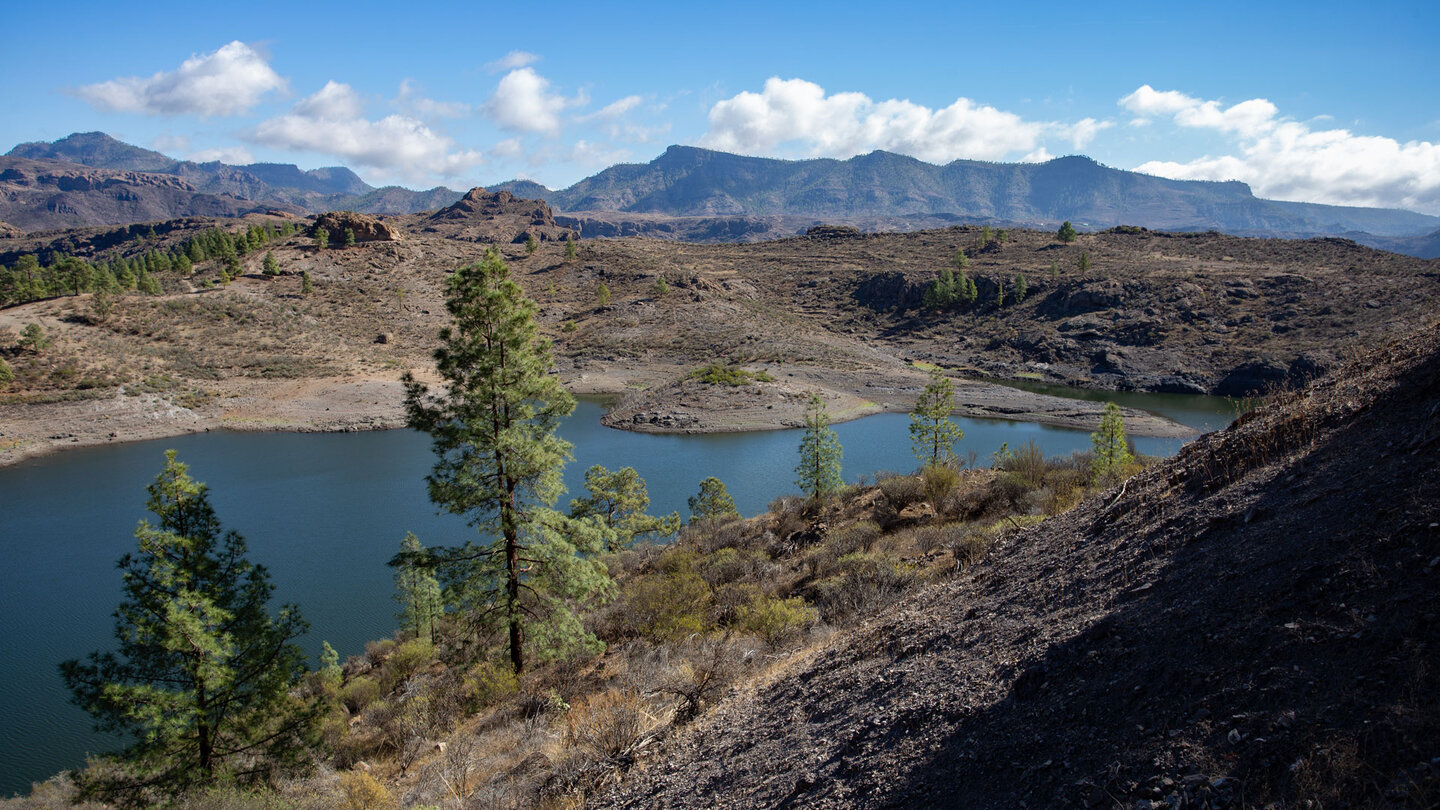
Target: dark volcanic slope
{"points": [[1253, 621]]}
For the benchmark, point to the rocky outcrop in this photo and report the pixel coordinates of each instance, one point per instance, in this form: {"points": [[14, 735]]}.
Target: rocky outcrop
{"points": [[499, 217], [8, 231], [365, 227]]}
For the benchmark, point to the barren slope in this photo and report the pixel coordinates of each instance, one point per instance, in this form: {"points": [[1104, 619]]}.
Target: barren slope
{"points": [[1253, 621]]}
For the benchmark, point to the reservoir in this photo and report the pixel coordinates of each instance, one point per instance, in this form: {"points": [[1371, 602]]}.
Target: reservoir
{"points": [[324, 512]]}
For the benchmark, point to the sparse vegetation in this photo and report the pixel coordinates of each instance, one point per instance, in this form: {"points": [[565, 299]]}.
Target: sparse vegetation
{"points": [[724, 374]]}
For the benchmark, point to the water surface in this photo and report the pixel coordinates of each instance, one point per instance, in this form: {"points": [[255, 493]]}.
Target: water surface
{"points": [[324, 512]]}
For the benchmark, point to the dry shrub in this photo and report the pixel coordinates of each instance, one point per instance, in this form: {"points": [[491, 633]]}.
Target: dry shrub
{"points": [[929, 538], [710, 536], [730, 565], [705, 667], [789, 515], [866, 583], [608, 725], [855, 537], [364, 792], [1026, 464], [968, 548], [938, 481], [900, 490]]}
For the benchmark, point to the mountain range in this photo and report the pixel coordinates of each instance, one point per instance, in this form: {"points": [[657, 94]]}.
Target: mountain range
{"points": [[693, 193]]}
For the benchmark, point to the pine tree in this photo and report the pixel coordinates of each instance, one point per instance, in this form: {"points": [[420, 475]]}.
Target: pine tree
{"points": [[1066, 233], [818, 473], [932, 434], [712, 501], [499, 465], [203, 675], [1112, 452], [306, 285], [620, 499], [1022, 287], [7, 374], [349, 237], [531, 244], [959, 260], [417, 591], [602, 295], [1084, 263], [272, 267], [33, 338], [322, 239], [570, 250]]}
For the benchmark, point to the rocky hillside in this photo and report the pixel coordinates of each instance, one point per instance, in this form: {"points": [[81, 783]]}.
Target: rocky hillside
{"points": [[686, 181], [1252, 623], [481, 216], [38, 195], [265, 185]]}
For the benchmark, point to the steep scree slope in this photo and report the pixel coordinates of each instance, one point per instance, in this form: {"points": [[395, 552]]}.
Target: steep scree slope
{"points": [[1251, 622]]}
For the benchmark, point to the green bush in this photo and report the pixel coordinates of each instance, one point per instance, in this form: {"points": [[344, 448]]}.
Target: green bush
{"points": [[671, 603], [408, 659], [488, 683], [359, 693], [774, 619]]}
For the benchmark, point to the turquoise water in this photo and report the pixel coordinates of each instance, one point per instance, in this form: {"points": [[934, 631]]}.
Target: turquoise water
{"points": [[324, 512]]}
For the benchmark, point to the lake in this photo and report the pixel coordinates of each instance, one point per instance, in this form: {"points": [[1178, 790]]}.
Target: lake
{"points": [[325, 511]]}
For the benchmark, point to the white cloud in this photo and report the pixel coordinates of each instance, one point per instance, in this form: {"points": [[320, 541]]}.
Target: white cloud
{"points": [[331, 122], [233, 155], [841, 125], [511, 61], [1082, 132], [523, 102], [413, 101], [229, 81], [613, 110], [508, 148], [1289, 160]]}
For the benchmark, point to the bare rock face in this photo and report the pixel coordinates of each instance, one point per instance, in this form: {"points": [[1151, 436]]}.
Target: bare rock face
{"points": [[366, 227], [8, 231], [481, 216]]}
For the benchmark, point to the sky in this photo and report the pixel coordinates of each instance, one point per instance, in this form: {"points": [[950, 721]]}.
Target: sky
{"points": [[1316, 101]]}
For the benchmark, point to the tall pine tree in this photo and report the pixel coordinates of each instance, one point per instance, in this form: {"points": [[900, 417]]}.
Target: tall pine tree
{"points": [[203, 675], [499, 465], [1112, 451], [818, 473], [932, 434]]}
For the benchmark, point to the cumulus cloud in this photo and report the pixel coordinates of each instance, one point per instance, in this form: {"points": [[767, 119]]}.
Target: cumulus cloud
{"points": [[523, 102], [229, 81], [1290, 160], [799, 113], [511, 61], [233, 155], [413, 101], [332, 122]]}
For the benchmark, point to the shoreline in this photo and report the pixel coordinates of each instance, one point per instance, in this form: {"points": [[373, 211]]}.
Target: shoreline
{"points": [[348, 404]]}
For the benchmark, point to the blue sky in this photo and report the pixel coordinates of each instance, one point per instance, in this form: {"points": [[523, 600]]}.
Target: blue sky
{"points": [[1314, 101]]}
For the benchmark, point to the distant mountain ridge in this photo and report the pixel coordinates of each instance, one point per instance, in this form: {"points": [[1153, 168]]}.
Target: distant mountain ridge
{"points": [[316, 190], [717, 196], [688, 181]]}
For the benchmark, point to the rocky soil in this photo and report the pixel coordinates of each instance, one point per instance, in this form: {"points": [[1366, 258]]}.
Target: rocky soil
{"points": [[1251, 623]]}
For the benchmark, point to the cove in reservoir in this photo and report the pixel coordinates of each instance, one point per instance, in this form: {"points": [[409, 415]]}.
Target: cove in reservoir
{"points": [[325, 511]]}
